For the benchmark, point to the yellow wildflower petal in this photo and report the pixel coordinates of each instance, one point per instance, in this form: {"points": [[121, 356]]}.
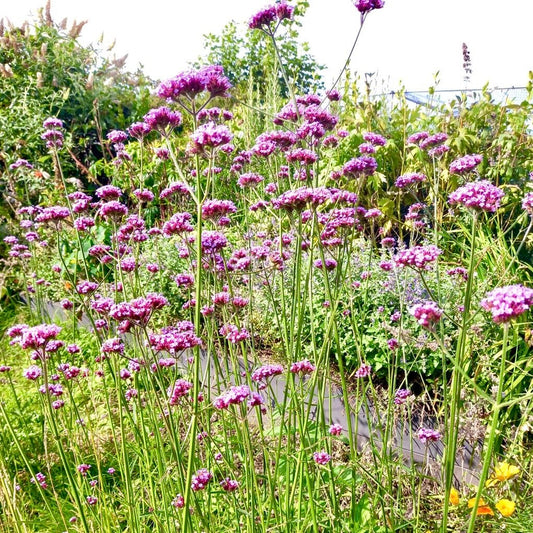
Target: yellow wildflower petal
{"points": [[506, 507], [505, 471], [454, 496], [472, 501]]}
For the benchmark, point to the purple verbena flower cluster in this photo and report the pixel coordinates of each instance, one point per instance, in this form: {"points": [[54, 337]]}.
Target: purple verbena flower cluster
{"points": [[188, 85], [234, 396], [465, 164], [418, 256], [302, 367], [321, 458], [365, 6], [264, 19], [409, 179], [426, 435], [201, 479], [478, 195], [426, 314], [507, 303]]}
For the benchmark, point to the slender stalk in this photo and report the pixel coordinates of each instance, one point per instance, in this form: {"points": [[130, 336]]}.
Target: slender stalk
{"points": [[455, 396], [487, 460]]}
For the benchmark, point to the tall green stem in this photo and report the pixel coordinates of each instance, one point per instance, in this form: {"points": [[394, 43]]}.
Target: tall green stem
{"points": [[455, 399], [493, 429]]}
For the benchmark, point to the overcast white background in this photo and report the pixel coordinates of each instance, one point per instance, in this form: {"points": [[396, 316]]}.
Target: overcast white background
{"points": [[407, 41]]}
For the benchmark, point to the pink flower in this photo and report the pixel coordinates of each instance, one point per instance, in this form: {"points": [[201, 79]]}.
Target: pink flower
{"points": [[321, 458], [304, 367], [426, 314], [363, 371], [266, 371], [465, 164], [201, 479], [479, 195], [428, 435], [418, 256], [335, 429], [506, 303]]}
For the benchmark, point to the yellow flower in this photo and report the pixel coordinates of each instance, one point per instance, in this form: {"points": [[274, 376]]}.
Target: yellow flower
{"points": [[505, 471], [506, 507], [454, 496], [483, 508]]}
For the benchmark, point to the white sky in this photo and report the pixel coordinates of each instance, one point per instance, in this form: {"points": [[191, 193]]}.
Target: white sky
{"points": [[407, 41]]}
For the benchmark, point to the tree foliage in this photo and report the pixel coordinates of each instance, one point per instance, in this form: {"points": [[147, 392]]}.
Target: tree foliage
{"points": [[248, 57]]}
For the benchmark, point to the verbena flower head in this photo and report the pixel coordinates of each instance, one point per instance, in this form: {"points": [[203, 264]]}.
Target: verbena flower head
{"points": [[335, 429], [322, 458], [214, 209], [506, 303], [299, 199], [52, 123], [375, 139], [360, 166], [465, 164], [527, 203], [190, 84], [139, 130], [117, 136], [401, 396], [20, 163], [428, 435], [432, 141], [36, 337], [478, 195], [234, 396], [180, 389], [162, 119], [418, 256], [175, 339], [175, 188], [409, 179], [364, 6], [54, 214], [201, 479], [266, 371], [426, 314], [418, 137], [211, 135], [263, 19], [363, 371], [229, 485], [108, 192], [113, 210], [303, 367]]}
